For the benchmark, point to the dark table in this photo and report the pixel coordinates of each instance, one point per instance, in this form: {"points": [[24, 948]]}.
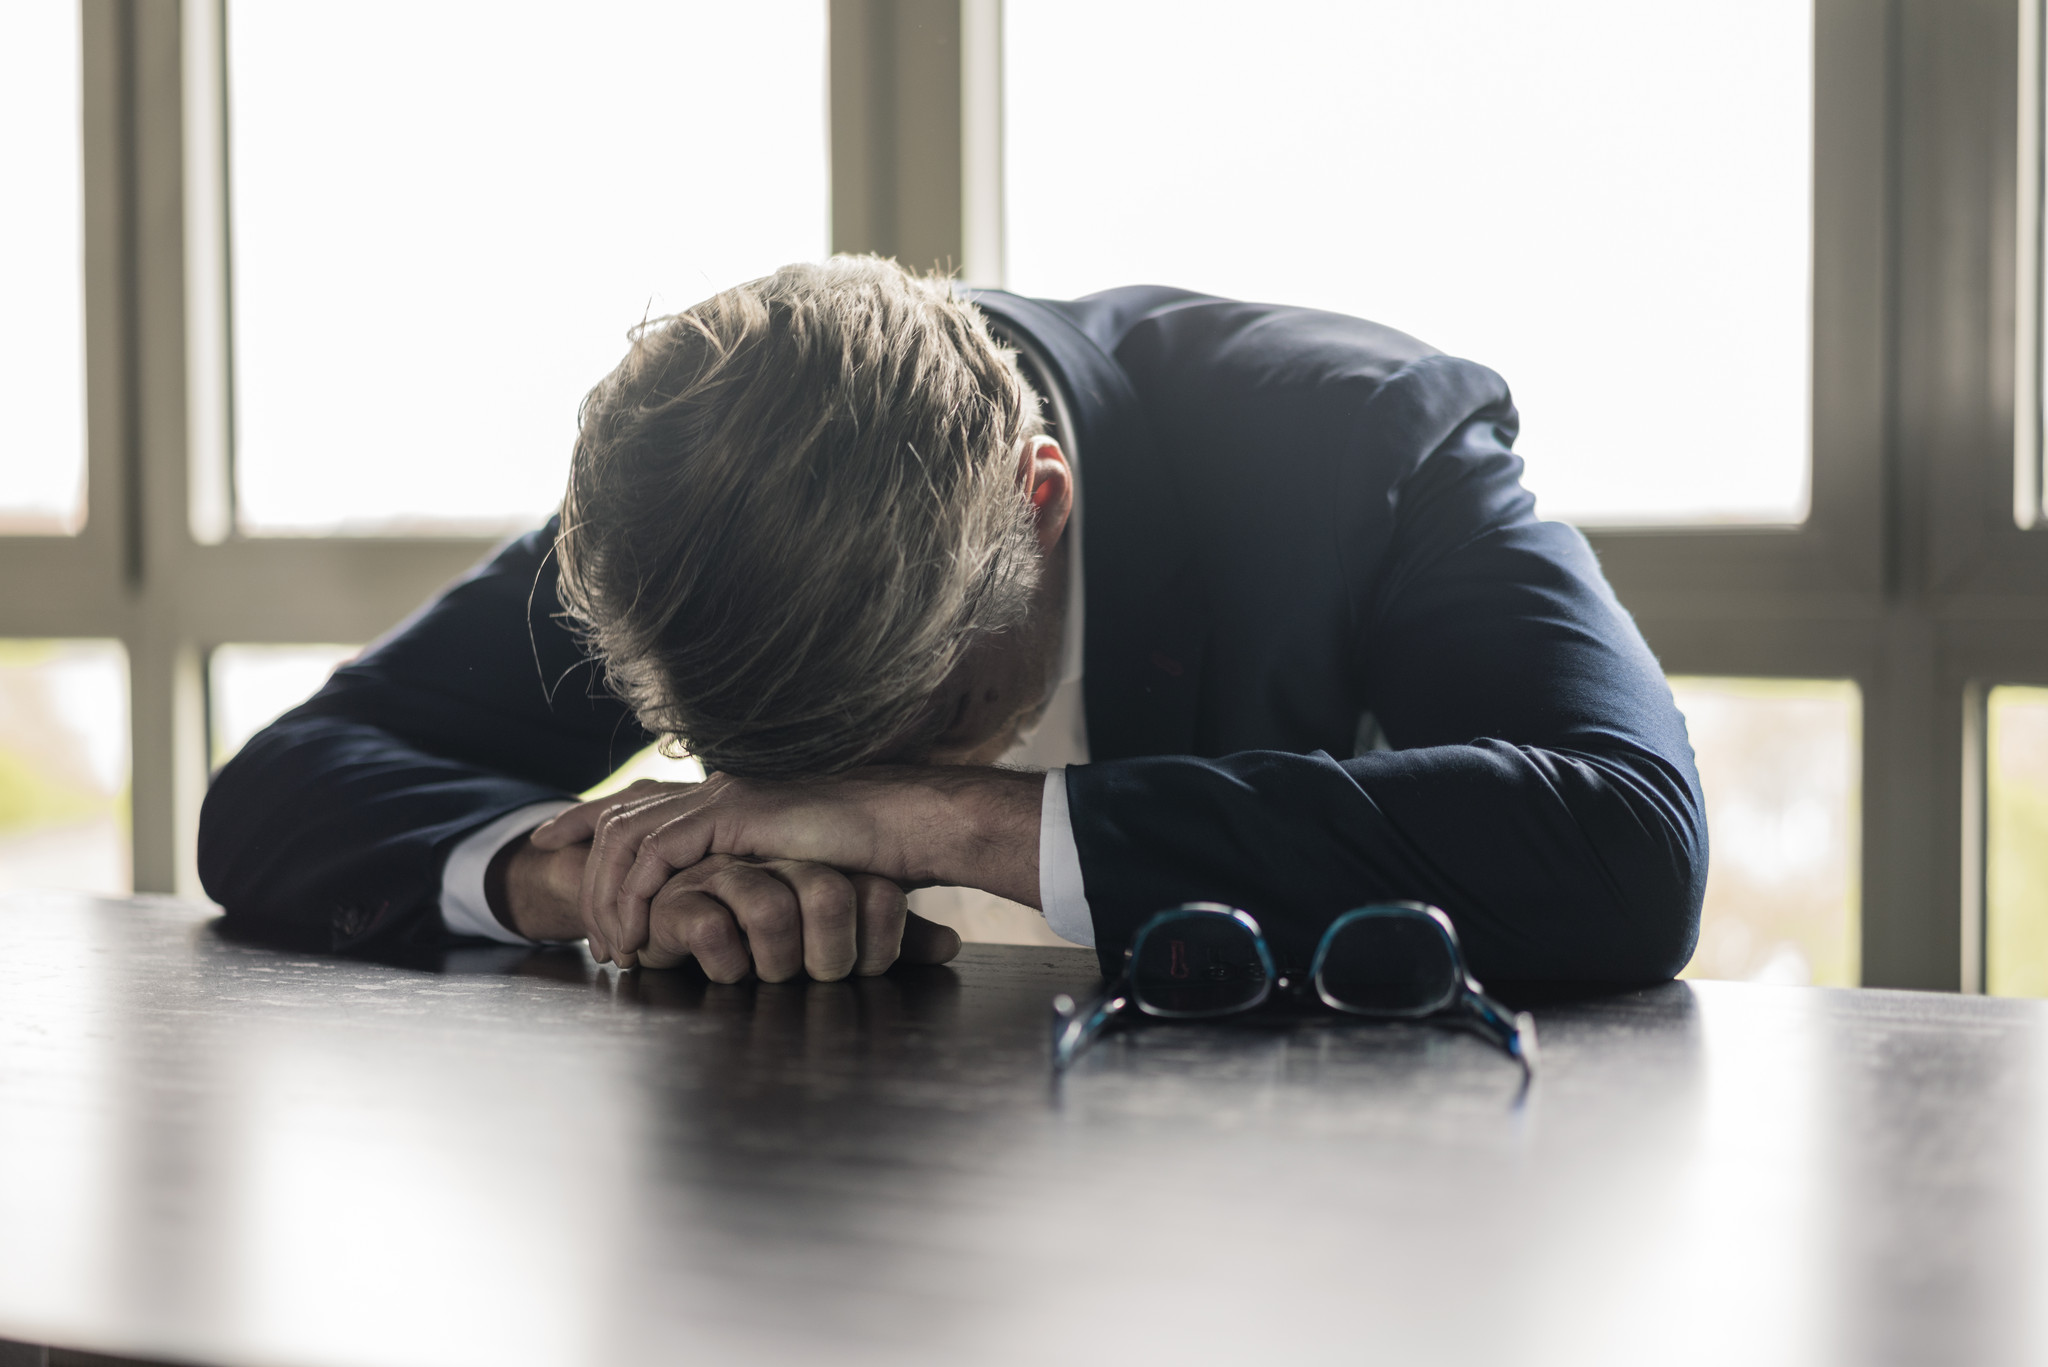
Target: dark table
{"points": [[218, 1152]]}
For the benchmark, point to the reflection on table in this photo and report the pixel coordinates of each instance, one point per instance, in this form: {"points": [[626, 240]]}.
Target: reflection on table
{"points": [[222, 1152]]}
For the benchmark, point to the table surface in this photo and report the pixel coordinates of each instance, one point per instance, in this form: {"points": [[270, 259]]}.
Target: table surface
{"points": [[219, 1152]]}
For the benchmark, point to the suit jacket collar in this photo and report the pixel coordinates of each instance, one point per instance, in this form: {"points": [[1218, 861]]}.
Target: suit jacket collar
{"points": [[1145, 626]]}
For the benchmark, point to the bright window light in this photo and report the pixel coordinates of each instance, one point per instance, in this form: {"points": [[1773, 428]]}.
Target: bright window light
{"points": [[650, 764], [42, 283], [64, 766], [445, 218], [2016, 888], [1608, 202], [1781, 763]]}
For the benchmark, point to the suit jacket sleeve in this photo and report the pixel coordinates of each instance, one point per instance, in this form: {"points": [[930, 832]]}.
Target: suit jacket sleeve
{"points": [[1543, 792], [331, 826]]}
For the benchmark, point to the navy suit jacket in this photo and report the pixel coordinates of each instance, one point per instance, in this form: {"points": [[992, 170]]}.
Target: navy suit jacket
{"points": [[1293, 519]]}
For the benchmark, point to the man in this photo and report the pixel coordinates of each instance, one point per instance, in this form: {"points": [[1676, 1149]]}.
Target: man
{"points": [[1257, 587]]}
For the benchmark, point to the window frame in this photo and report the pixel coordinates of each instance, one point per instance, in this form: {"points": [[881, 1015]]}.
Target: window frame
{"points": [[1911, 575]]}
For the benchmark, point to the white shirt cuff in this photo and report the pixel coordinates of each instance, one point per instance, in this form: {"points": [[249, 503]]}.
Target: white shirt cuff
{"points": [[1059, 866], [465, 910]]}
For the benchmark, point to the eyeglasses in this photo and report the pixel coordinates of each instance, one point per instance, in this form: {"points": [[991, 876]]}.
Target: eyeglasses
{"points": [[1391, 960]]}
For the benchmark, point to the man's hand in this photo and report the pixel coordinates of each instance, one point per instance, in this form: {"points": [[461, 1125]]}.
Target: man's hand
{"points": [[909, 826], [775, 917]]}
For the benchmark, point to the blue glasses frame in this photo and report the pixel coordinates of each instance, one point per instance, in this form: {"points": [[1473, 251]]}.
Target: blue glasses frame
{"points": [[1462, 1000]]}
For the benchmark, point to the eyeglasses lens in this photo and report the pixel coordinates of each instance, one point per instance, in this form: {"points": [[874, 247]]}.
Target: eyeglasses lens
{"points": [[1198, 965], [1388, 965]]}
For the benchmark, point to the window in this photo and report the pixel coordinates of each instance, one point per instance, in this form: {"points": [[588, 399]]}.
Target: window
{"points": [[1779, 760], [2016, 921], [42, 323], [1606, 201], [1838, 203], [64, 765], [445, 218]]}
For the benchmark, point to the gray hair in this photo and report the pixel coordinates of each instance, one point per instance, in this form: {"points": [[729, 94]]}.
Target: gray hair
{"points": [[791, 510]]}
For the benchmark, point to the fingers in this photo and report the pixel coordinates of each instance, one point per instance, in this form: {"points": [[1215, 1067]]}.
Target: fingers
{"points": [[614, 932], [878, 938], [614, 905], [780, 919], [570, 827], [692, 924], [828, 914], [928, 942], [579, 823], [768, 914], [631, 867], [732, 917]]}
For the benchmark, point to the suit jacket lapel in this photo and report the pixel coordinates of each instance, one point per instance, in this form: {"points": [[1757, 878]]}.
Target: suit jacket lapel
{"points": [[1146, 626]]}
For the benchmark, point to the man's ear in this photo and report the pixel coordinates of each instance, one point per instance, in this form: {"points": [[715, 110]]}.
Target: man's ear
{"points": [[1048, 481]]}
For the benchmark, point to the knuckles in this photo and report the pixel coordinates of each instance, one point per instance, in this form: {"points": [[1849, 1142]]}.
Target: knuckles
{"points": [[775, 920], [830, 906], [714, 943], [875, 965]]}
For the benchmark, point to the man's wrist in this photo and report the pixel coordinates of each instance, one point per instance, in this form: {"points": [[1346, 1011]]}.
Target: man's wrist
{"points": [[974, 828], [534, 892]]}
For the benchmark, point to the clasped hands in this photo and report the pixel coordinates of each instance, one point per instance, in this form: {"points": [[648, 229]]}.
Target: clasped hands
{"points": [[773, 877]]}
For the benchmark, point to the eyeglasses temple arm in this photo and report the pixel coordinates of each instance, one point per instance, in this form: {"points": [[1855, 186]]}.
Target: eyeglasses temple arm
{"points": [[1514, 1031], [1074, 1027]]}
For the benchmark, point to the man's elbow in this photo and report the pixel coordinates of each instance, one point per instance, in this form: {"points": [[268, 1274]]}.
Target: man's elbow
{"points": [[1660, 892], [226, 818]]}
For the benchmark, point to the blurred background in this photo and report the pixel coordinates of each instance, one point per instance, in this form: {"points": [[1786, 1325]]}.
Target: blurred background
{"points": [[301, 300]]}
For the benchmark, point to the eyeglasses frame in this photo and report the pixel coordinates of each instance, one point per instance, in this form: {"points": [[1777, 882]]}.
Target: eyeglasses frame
{"points": [[1073, 1030]]}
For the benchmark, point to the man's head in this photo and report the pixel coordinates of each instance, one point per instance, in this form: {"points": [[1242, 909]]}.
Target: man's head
{"points": [[807, 522]]}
